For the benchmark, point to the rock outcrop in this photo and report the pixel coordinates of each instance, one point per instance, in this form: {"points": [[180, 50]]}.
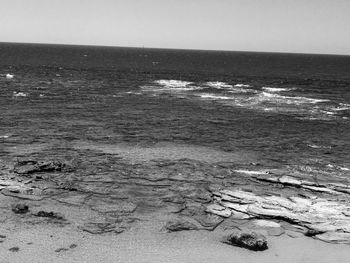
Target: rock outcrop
{"points": [[20, 208], [29, 166], [318, 215]]}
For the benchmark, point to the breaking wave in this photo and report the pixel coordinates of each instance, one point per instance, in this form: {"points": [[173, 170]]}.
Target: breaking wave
{"points": [[288, 99], [267, 99], [270, 89], [19, 94], [215, 97], [173, 83], [239, 85], [218, 85]]}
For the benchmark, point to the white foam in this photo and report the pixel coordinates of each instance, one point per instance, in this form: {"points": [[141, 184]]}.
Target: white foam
{"points": [[173, 83], [169, 89], [5, 136], [9, 76], [241, 90], [215, 97], [288, 99], [239, 85], [341, 107], [270, 89], [319, 146], [218, 85], [19, 94], [133, 92]]}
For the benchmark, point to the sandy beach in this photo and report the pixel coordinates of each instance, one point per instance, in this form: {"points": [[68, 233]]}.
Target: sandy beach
{"points": [[146, 243]]}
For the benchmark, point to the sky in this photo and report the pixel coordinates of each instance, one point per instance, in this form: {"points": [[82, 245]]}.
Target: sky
{"points": [[301, 26]]}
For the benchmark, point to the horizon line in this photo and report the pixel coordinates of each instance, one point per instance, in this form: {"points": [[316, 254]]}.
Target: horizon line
{"points": [[182, 49]]}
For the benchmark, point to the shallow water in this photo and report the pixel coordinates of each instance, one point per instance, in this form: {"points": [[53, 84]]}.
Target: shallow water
{"points": [[287, 109]]}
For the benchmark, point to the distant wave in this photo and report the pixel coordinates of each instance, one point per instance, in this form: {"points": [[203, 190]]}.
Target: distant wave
{"points": [[241, 90], [289, 99], [267, 99], [270, 89], [215, 97], [170, 88], [218, 85], [173, 83], [239, 85], [318, 146]]}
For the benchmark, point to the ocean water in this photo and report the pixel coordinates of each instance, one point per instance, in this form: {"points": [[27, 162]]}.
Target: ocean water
{"points": [[288, 109]]}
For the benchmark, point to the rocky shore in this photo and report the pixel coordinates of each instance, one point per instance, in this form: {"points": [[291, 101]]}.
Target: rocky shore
{"points": [[96, 191]]}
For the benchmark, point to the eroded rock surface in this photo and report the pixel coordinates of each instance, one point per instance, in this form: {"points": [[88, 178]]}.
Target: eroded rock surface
{"points": [[29, 166], [109, 193], [315, 214]]}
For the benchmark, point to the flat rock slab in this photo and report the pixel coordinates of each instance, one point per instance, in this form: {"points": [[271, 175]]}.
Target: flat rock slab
{"points": [[267, 224], [218, 210], [319, 215], [111, 206], [22, 196], [334, 237], [209, 221], [180, 225]]}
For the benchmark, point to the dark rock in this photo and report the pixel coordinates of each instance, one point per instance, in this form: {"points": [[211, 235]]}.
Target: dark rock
{"points": [[61, 249], [180, 225], [101, 228], [27, 166], [14, 249], [51, 215], [20, 208], [313, 232], [249, 240], [73, 246]]}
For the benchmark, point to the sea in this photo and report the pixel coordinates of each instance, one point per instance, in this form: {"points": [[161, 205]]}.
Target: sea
{"points": [[288, 109]]}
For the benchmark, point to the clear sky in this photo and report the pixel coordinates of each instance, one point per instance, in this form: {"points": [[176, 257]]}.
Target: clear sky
{"points": [[306, 26]]}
